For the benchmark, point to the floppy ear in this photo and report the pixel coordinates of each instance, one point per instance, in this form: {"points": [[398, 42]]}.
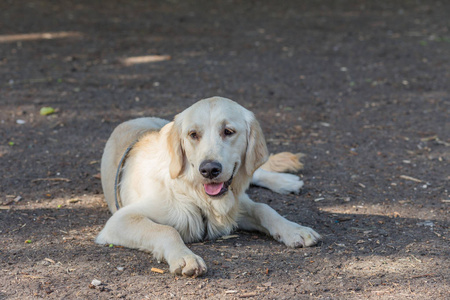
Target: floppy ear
{"points": [[176, 151], [257, 153]]}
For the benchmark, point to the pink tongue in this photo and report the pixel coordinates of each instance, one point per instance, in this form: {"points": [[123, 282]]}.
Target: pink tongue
{"points": [[213, 188]]}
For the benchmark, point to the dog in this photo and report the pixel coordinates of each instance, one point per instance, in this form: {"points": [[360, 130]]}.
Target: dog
{"points": [[171, 183]]}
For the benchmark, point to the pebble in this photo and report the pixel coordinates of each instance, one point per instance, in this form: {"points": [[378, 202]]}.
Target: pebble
{"points": [[96, 282]]}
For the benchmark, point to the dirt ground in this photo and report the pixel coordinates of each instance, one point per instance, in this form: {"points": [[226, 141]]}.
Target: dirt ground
{"points": [[361, 87]]}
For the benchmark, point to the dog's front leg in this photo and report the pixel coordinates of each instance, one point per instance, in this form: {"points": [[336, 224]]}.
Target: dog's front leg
{"points": [[128, 227], [261, 217]]}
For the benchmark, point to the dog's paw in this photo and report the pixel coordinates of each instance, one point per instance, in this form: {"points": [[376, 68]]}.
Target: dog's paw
{"points": [[190, 265], [296, 236], [287, 183]]}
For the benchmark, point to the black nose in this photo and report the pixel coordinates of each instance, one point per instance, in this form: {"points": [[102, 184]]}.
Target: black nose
{"points": [[210, 169]]}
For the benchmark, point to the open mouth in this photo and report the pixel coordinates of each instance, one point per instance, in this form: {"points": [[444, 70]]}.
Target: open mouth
{"points": [[218, 189]]}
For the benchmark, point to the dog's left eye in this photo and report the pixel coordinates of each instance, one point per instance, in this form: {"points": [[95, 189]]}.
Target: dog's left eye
{"points": [[228, 132]]}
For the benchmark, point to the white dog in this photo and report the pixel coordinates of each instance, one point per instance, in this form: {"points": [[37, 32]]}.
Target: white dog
{"points": [[184, 181]]}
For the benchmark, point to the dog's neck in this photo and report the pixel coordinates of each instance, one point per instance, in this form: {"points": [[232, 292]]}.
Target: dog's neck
{"points": [[208, 218]]}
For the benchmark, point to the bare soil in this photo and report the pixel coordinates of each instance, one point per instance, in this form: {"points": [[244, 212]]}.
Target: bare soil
{"points": [[361, 87]]}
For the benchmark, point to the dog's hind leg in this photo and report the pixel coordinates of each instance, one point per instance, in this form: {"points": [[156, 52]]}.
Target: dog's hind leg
{"points": [[130, 228], [271, 174], [281, 183]]}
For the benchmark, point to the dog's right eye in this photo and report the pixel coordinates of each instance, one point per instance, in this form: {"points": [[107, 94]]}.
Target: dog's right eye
{"points": [[193, 135]]}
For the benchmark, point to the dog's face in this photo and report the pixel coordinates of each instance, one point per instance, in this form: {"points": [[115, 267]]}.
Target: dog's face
{"points": [[214, 140]]}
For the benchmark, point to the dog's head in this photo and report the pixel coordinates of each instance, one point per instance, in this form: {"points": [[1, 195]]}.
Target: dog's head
{"points": [[214, 143]]}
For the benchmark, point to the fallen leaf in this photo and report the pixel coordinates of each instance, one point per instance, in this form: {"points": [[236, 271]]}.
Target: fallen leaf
{"points": [[156, 270], [406, 177], [248, 295], [429, 138], [51, 179], [144, 59], [74, 200], [226, 237], [231, 292], [47, 110]]}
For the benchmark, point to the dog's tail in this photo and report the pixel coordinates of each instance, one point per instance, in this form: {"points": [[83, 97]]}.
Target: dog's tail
{"points": [[284, 162]]}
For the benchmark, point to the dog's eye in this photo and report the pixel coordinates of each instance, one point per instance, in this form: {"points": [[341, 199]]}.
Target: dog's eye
{"points": [[228, 132], [193, 135]]}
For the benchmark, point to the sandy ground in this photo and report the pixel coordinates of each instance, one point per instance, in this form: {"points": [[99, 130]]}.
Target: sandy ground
{"points": [[361, 88]]}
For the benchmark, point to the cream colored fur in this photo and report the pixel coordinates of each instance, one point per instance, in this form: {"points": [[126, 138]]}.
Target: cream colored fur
{"points": [[283, 162], [164, 201]]}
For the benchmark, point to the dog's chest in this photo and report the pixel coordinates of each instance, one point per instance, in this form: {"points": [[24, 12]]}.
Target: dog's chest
{"points": [[195, 224]]}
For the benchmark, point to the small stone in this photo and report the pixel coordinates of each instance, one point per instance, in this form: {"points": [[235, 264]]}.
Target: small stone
{"points": [[96, 282]]}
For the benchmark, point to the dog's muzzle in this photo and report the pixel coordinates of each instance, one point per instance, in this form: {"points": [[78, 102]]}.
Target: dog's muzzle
{"points": [[217, 189]]}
